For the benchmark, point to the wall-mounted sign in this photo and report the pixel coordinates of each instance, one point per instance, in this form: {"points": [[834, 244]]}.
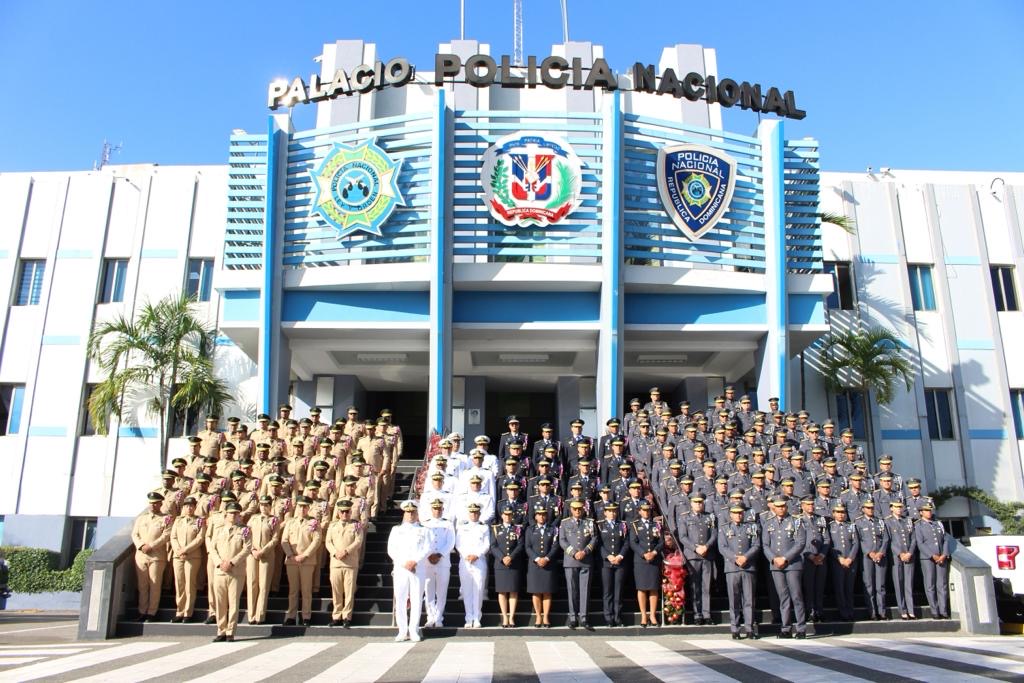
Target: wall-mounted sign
{"points": [[695, 184], [531, 179], [356, 188], [553, 71]]}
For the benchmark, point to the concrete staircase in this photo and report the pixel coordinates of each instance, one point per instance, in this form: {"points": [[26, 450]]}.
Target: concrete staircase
{"points": [[373, 607]]}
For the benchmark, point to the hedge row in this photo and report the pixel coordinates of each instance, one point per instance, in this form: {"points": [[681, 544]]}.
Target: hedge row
{"points": [[33, 570]]}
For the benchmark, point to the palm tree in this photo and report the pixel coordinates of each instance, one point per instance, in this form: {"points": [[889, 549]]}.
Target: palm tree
{"points": [[870, 361], [164, 357], [845, 223]]}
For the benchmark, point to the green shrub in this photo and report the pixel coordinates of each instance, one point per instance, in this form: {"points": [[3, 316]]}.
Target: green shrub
{"points": [[33, 570]]}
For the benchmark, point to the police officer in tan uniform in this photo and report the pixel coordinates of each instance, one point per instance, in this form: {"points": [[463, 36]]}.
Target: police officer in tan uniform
{"points": [[262, 431], [172, 497], [301, 541], [317, 428], [344, 543], [195, 459], [187, 539], [211, 438], [265, 531], [150, 535], [232, 543]]}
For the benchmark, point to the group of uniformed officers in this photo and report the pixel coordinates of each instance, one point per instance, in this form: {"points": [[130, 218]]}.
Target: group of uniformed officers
{"points": [[246, 507], [743, 495]]}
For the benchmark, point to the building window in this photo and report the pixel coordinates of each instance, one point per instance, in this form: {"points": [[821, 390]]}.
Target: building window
{"points": [[921, 292], [115, 271], [1003, 288], [30, 282], [83, 535], [957, 527], [87, 427], [841, 298], [850, 412], [1017, 406], [940, 414], [199, 282], [12, 397]]}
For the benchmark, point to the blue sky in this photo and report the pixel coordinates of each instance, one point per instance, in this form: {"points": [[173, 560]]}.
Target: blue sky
{"points": [[933, 84]]}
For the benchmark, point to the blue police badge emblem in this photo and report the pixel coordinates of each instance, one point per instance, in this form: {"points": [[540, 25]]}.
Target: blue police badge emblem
{"points": [[356, 188], [695, 183]]}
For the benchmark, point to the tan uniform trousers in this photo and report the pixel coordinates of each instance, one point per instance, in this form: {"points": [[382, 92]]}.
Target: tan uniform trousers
{"points": [[259, 575], [343, 592], [149, 574], [228, 590], [300, 578], [186, 584]]}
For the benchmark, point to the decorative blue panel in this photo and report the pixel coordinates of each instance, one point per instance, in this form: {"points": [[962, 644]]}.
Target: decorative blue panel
{"points": [[701, 309], [321, 306], [246, 206], [477, 235], [803, 225], [525, 307], [901, 434], [309, 242], [241, 305], [806, 309]]}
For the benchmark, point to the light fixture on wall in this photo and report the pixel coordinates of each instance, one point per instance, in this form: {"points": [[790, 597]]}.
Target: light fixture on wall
{"points": [[524, 358], [661, 359], [382, 358]]}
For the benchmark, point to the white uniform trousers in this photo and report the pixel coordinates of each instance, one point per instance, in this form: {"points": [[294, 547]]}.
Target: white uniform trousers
{"points": [[435, 583], [473, 579], [408, 599]]}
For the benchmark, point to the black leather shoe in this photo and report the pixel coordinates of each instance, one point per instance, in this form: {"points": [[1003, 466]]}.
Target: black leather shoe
{"points": [[288, 622], [735, 636], [586, 624], [220, 639], [572, 623], [753, 635], [346, 623], [801, 636], [336, 622], [212, 619], [231, 639], [784, 635], [302, 621]]}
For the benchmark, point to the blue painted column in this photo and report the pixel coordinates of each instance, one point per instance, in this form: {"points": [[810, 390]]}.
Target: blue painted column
{"points": [[610, 339], [270, 341], [773, 354], [439, 408]]}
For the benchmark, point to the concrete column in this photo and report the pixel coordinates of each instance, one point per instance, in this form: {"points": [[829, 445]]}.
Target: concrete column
{"points": [[476, 408], [567, 402], [610, 337], [775, 354], [439, 401]]}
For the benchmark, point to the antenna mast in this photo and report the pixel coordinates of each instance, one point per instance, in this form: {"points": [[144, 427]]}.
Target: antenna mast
{"points": [[108, 150], [517, 32]]}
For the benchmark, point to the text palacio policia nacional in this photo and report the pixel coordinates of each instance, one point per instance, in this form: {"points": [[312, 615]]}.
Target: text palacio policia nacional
{"points": [[551, 72]]}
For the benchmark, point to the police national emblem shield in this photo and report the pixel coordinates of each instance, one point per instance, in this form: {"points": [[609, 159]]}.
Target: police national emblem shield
{"points": [[695, 183], [531, 179], [356, 188]]}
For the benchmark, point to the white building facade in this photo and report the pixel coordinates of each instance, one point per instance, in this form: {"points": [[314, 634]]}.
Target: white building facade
{"points": [[455, 320]]}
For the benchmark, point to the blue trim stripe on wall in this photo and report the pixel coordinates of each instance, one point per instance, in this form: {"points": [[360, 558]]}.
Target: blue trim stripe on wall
{"points": [[776, 153], [806, 309], [525, 307], [901, 434], [686, 309], [135, 432], [440, 320], [159, 253], [61, 340], [975, 344], [987, 434], [41, 430], [326, 306], [613, 180]]}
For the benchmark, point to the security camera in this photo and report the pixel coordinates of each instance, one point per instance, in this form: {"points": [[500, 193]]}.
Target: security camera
{"points": [[886, 170], [870, 170]]}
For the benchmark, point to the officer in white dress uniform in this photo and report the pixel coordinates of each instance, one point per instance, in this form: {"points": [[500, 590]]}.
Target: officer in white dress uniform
{"points": [[408, 546], [435, 491], [475, 495], [438, 566], [473, 541]]}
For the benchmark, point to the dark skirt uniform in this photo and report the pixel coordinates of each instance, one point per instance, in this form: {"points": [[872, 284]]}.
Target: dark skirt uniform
{"points": [[507, 541], [643, 538], [542, 542]]}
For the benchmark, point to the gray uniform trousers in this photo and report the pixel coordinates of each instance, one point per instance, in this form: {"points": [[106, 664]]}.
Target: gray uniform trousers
{"points": [[936, 577], [842, 585], [577, 580], [698, 574], [813, 580], [740, 586], [873, 575], [903, 584], [789, 586]]}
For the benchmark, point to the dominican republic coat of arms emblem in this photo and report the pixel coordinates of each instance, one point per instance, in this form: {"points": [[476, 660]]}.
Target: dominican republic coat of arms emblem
{"points": [[356, 188], [531, 179], [695, 183]]}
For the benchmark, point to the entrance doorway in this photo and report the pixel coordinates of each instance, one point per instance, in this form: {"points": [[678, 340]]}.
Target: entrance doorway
{"points": [[409, 411], [533, 408]]}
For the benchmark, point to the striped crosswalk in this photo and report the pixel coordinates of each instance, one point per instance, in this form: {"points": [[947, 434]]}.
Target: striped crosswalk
{"points": [[549, 660]]}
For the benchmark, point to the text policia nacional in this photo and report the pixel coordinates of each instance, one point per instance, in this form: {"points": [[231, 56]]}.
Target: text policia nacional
{"points": [[551, 72]]}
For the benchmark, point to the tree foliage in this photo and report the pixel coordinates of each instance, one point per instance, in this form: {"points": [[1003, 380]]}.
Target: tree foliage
{"points": [[164, 356], [871, 360], [845, 223], [1008, 514]]}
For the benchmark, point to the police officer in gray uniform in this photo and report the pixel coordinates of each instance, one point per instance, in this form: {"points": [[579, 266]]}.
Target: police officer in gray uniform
{"points": [[739, 542], [815, 558], [844, 549], [578, 540], [934, 552], [698, 537], [874, 549], [902, 545], [783, 539]]}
